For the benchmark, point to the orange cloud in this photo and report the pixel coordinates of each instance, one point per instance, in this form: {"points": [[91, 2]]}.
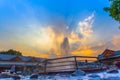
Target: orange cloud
{"points": [[83, 52]]}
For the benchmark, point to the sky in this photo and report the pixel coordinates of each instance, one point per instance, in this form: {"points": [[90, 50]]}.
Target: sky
{"points": [[56, 28]]}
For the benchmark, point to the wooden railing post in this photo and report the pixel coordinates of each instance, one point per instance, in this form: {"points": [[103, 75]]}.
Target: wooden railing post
{"points": [[76, 65], [45, 69]]}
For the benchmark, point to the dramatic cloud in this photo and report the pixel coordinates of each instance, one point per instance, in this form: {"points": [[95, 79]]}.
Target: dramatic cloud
{"points": [[85, 27], [56, 41], [82, 37], [78, 41], [84, 30]]}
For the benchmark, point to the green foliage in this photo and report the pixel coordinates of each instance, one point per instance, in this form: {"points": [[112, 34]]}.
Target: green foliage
{"points": [[11, 52], [114, 9]]}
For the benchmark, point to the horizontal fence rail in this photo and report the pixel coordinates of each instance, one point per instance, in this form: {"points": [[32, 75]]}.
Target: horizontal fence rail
{"points": [[68, 63]]}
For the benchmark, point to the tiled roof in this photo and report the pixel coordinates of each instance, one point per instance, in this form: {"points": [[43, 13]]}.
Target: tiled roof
{"points": [[5, 57], [25, 58]]}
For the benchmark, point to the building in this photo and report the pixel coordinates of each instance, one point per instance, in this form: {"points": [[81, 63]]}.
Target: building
{"points": [[109, 57], [21, 63]]}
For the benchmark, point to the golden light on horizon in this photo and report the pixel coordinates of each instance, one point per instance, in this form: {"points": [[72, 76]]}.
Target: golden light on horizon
{"points": [[84, 52]]}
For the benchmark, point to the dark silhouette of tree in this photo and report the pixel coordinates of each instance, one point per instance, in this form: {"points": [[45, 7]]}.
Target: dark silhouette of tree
{"points": [[114, 9], [11, 52]]}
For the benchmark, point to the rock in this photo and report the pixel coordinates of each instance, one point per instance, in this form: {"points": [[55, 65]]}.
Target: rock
{"points": [[113, 71], [78, 73], [34, 76]]}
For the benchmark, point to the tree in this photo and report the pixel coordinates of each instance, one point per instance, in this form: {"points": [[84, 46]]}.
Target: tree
{"points": [[11, 52], [114, 9]]}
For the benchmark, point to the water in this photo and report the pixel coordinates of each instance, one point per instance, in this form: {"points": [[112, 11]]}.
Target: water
{"points": [[92, 76]]}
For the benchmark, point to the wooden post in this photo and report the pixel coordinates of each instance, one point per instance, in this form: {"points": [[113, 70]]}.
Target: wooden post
{"points": [[76, 65], [45, 69]]}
